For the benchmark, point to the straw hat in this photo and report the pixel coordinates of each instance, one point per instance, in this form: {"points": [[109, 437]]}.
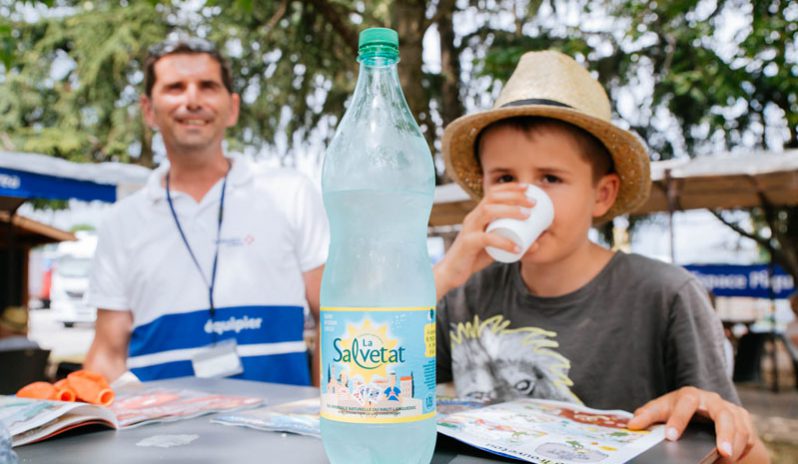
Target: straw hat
{"points": [[14, 319], [553, 85]]}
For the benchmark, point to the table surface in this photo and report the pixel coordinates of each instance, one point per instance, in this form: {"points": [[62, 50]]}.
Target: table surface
{"points": [[220, 443]]}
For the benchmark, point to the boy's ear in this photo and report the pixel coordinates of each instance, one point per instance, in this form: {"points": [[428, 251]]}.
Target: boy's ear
{"points": [[606, 192]]}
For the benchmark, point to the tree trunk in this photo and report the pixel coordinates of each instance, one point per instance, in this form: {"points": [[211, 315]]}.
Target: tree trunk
{"points": [[338, 22], [782, 241], [789, 242], [409, 20], [792, 142], [451, 106]]}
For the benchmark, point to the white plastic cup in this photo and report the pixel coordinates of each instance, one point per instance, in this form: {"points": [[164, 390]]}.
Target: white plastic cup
{"points": [[523, 232]]}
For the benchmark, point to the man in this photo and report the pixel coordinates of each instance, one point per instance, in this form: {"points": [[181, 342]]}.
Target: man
{"points": [[206, 270]]}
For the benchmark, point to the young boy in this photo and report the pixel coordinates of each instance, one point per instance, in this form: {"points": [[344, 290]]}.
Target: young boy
{"points": [[572, 320]]}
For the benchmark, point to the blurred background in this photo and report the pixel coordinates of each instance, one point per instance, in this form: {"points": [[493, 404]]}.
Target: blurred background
{"points": [[710, 85]]}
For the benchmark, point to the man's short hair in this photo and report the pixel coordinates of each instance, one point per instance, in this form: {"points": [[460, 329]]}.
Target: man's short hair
{"points": [[184, 45], [592, 150]]}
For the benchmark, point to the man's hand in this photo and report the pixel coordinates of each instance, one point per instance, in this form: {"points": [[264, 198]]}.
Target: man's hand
{"points": [[735, 435], [312, 279], [467, 254], [108, 352]]}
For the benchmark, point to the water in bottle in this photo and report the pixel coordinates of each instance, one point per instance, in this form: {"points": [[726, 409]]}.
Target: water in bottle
{"points": [[378, 293]]}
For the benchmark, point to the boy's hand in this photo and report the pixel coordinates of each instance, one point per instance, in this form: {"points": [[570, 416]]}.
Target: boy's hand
{"points": [[734, 430], [467, 254]]}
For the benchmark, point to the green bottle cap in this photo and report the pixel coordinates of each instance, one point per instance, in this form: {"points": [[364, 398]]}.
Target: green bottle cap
{"points": [[379, 36]]}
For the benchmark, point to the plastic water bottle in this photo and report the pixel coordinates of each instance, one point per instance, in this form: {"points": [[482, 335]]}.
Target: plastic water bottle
{"points": [[7, 454], [378, 293]]}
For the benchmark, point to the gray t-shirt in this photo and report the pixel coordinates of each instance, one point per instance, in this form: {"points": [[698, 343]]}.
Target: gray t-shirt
{"points": [[638, 330]]}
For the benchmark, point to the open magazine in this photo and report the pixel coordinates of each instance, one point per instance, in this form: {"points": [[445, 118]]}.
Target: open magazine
{"points": [[30, 420], [527, 429], [550, 431]]}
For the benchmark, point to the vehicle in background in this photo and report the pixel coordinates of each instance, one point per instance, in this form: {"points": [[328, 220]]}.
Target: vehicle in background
{"points": [[47, 283], [70, 280]]}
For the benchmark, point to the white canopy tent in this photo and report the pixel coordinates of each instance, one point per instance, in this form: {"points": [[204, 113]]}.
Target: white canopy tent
{"points": [[30, 175], [717, 182], [723, 182], [24, 176]]}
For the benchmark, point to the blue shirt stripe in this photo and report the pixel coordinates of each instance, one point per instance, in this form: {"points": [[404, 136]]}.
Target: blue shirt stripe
{"points": [[289, 368], [249, 325]]}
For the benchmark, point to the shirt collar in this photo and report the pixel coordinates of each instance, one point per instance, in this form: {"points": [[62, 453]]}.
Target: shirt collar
{"points": [[240, 174]]}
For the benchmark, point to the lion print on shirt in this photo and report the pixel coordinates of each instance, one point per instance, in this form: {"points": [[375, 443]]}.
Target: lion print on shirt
{"points": [[492, 362]]}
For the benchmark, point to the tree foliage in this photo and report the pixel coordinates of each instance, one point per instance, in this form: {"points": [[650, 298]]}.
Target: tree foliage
{"points": [[697, 77], [689, 76], [70, 90], [727, 87], [72, 73]]}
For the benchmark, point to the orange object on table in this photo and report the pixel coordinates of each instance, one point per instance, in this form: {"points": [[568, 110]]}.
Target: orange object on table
{"points": [[65, 392], [83, 385], [39, 391], [91, 387]]}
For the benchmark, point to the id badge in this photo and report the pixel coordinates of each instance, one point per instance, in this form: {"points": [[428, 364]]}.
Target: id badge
{"points": [[219, 360]]}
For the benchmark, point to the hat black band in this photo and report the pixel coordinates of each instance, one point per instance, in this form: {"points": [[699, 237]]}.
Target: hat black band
{"points": [[536, 101]]}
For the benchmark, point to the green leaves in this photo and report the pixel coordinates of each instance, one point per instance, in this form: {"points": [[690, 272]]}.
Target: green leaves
{"points": [[295, 66], [7, 52], [699, 61], [71, 91], [244, 5]]}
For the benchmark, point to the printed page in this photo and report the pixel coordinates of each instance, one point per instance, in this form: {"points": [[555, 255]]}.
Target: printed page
{"points": [[60, 425], [138, 406], [30, 420], [550, 432], [300, 417], [449, 405]]}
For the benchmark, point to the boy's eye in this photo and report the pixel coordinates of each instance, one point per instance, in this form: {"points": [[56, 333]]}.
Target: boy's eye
{"points": [[504, 178], [551, 179]]}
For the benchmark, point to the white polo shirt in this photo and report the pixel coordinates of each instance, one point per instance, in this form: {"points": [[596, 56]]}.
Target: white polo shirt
{"points": [[274, 229]]}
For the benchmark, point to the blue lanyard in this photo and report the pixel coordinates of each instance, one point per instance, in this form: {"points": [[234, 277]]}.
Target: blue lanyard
{"points": [[210, 284]]}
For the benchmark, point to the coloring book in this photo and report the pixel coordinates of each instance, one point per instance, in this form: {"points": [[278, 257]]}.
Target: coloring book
{"points": [[550, 432]]}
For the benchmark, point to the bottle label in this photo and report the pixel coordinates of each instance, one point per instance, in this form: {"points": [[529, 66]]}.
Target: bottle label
{"points": [[377, 364]]}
